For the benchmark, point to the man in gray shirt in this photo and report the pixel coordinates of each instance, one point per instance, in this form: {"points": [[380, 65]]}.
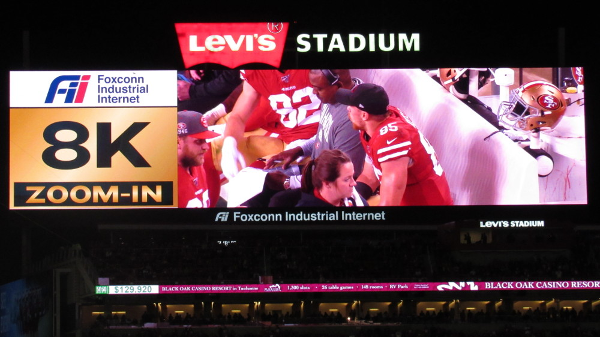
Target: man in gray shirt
{"points": [[335, 132]]}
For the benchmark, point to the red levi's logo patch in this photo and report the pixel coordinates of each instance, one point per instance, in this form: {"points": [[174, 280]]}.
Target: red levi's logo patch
{"points": [[232, 44]]}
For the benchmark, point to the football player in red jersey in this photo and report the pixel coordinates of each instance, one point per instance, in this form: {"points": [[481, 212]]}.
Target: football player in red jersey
{"points": [[192, 136], [285, 103], [400, 160]]}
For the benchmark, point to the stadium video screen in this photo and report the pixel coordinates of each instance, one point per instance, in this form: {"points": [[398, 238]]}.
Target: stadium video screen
{"points": [[458, 136]]}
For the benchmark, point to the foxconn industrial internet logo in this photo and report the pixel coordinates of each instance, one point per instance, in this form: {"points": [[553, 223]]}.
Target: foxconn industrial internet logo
{"points": [[68, 89], [222, 216]]}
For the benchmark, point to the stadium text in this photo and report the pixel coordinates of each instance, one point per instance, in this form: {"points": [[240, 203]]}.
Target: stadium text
{"points": [[511, 224], [357, 42]]}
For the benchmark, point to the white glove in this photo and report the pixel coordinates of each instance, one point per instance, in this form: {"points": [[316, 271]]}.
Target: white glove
{"points": [[214, 114], [296, 181], [231, 158]]}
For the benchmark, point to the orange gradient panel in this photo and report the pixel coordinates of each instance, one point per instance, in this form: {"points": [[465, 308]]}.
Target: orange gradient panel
{"points": [[63, 145]]}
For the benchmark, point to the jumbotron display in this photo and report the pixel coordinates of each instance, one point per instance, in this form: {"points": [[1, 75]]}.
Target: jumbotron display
{"points": [[237, 134], [107, 139]]}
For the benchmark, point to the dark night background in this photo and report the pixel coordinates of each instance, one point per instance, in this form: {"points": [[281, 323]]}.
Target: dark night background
{"points": [[141, 35]]}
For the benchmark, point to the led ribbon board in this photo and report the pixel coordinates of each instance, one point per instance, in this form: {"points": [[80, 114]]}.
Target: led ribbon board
{"points": [[344, 287]]}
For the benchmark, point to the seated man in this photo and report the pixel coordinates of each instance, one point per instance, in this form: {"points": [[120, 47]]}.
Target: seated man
{"points": [[273, 110], [192, 137], [283, 100], [400, 161], [335, 132], [205, 90]]}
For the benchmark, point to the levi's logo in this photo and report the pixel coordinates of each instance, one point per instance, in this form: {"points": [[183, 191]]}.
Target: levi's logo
{"points": [[231, 44], [73, 88]]}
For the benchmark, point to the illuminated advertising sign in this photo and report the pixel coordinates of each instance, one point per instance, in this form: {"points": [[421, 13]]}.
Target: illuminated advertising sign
{"points": [[73, 133], [343, 287], [104, 139], [92, 139], [236, 44], [232, 44]]}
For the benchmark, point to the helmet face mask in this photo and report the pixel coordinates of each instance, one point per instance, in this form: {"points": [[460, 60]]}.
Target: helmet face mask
{"points": [[516, 112], [534, 106]]}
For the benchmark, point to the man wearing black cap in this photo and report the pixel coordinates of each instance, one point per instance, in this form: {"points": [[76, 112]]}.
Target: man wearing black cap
{"points": [[400, 160], [192, 143]]}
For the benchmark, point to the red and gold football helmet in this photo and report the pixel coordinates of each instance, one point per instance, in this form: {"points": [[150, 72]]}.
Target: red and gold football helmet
{"points": [[449, 76], [534, 106]]}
